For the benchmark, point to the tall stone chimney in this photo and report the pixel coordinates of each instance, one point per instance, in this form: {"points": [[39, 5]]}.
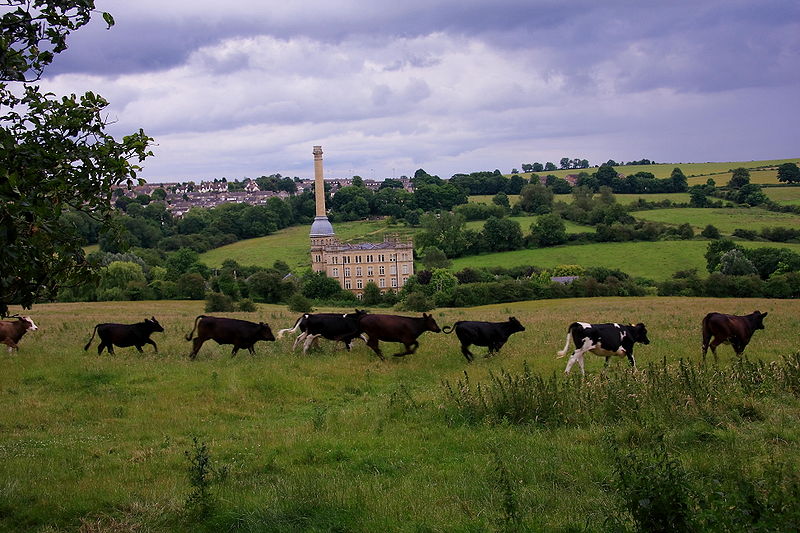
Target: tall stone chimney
{"points": [[321, 226]]}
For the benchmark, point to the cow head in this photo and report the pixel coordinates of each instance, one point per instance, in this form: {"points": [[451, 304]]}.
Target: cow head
{"points": [[758, 319], [430, 323], [153, 323], [515, 325], [264, 333], [639, 333], [33, 327]]}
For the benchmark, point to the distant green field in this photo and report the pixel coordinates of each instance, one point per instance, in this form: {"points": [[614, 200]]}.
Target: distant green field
{"points": [[689, 169], [654, 260], [726, 219], [784, 195], [292, 244]]}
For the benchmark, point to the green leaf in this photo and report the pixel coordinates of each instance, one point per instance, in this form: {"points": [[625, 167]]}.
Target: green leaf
{"points": [[109, 19]]}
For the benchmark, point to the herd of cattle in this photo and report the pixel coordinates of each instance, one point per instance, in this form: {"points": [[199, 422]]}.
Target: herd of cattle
{"points": [[605, 340]]}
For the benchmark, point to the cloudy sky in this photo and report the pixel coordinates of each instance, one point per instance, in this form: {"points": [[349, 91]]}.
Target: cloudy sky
{"points": [[245, 88]]}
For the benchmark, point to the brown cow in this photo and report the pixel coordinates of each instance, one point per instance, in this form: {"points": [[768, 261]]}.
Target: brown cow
{"points": [[393, 328], [240, 333], [12, 331], [732, 329]]}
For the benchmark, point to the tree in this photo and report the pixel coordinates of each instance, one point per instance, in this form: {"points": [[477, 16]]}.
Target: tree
{"points": [[55, 155], [547, 167], [502, 234], [435, 258], [549, 230], [372, 294], [789, 173], [565, 162], [537, 167], [536, 198], [715, 250], [444, 230], [710, 232], [679, 182], [734, 263], [739, 178], [501, 199]]}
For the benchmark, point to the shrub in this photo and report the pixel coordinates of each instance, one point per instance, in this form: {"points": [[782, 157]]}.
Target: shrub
{"points": [[216, 302], [417, 301], [710, 232], [247, 305], [299, 303]]}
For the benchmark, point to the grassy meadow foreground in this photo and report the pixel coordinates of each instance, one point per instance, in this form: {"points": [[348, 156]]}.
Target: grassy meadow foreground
{"points": [[340, 441]]}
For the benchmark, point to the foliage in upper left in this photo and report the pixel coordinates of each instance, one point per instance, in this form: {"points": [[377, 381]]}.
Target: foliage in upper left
{"points": [[55, 155]]}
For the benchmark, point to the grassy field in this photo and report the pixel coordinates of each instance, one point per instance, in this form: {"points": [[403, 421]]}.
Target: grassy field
{"points": [[654, 260], [292, 244], [339, 441], [784, 195], [694, 171], [725, 219]]}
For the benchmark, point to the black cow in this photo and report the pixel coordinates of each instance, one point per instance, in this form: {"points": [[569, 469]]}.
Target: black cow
{"points": [[491, 334], [393, 328], [125, 335], [12, 331], [732, 329], [605, 340], [332, 326], [240, 333]]}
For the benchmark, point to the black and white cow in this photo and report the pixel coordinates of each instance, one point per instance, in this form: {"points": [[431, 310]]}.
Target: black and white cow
{"points": [[342, 327], [491, 334], [605, 340]]}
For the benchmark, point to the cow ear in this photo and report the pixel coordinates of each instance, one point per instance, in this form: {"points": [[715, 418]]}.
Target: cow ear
{"points": [[764, 314]]}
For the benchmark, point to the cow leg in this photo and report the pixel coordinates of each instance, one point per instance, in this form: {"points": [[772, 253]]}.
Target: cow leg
{"points": [[706, 340], [100, 347], [196, 345], [577, 356], [11, 345], [410, 349], [374, 343], [150, 341], [737, 346], [139, 348], [110, 348], [252, 350], [301, 337], [309, 341], [608, 360], [716, 342], [467, 354], [235, 349], [631, 360]]}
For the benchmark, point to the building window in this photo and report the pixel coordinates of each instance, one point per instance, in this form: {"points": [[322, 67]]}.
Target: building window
{"points": [[405, 269], [392, 258], [370, 280], [381, 258], [347, 284], [370, 258], [404, 281], [335, 259], [358, 296], [382, 282], [358, 259], [381, 270], [358, 271], [394, 282], [317, 258], [369, 271], [335, 272], [346, 259], [347, 272], [393, 269], [359, 284]]}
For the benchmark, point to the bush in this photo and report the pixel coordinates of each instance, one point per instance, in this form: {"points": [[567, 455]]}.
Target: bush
{"points": [[710, 232], [417, 301], [247, 305], [216, 302], [299, 303]]}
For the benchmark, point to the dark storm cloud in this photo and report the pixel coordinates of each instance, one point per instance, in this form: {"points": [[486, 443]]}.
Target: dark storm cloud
{"points": [[456, 85]]}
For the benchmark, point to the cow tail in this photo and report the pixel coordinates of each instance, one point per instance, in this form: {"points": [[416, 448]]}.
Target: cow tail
{"points": [[444, 329], [282, 332], [191, 333], [562, 353], [90, 340]]}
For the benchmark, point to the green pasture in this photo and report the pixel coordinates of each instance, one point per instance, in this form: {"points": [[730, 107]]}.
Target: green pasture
{"points": [[698, 170], [784, 195], [653, 260], [292, 244], [724, 219], [340, 441]]}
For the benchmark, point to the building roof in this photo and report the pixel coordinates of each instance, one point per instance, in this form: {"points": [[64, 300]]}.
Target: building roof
{"points": [[321, 227]]}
